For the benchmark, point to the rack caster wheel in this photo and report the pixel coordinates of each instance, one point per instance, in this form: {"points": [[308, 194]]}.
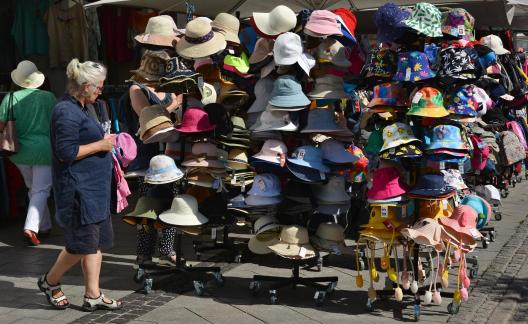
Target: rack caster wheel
{"points": [[416, 312], [331, 288], [198, 256], [238, 258], [273, 297], [147, 285], [219, 279], [504, 193], [485, 243], [453, 308], [492, 236], [255, 286], [370, 306], [199, 287], [473, 272], [498, 216], [319, 297], [138, 277]]}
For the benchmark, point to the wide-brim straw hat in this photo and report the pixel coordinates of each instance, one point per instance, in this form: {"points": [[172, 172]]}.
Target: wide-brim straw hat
{"points": [[146, 208], [183, 212], [228, 25], [27, 75], [294, 244], [259, 244], [160, 31], [200, 40]]}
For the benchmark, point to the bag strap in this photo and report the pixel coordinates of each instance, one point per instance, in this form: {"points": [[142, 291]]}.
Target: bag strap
{"points": [[115, 120], [10, 111]]}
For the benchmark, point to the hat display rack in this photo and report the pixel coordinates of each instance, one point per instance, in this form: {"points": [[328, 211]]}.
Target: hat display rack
{"points": [[305, 142]]}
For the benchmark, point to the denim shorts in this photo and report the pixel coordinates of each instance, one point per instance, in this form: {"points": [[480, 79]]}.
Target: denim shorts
{"points": [[87, 239]]}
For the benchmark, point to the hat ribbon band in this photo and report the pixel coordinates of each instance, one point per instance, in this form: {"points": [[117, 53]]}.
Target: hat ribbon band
{"points": [[203, 157], [263, 226], [200, 40], [162, 170], [237, 160]]}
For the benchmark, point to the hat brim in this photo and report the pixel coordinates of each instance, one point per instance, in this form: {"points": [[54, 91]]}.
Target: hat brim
{"points": [[305, 174], [261, 247], [264, 25], [165, 135], [272, 108], [422, 238], [204, 163], [430, 111], [34, 82], [289, 101], [193, 51], [292, 251], [169, 179], [387, 145], [176, 218], [333, 209], [195, 130], [327, 94], [252, 200], [312, 165], [157, 40]]}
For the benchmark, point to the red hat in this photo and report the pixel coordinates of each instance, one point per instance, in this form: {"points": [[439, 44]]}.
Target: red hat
{"points": [[348, 18], [195, 120]]}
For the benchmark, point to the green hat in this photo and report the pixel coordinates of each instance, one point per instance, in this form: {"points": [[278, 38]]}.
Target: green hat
{"points": [[428, 102], [147, 208], [425, 19], [241, 63], [239, 125], [375, 142]]}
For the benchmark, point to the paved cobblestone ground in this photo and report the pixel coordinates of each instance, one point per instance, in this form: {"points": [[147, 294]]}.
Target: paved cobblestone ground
{"points": [[499, 295]]}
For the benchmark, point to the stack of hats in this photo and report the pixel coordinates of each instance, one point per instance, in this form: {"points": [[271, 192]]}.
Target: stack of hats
{"points": [[297, 200], [155, 125], [203, 166], [332, 198], [266, 232], [399, 142]]}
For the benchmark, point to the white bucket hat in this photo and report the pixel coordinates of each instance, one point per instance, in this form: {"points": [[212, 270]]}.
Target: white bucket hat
{"points": [[288, 50], [279, 20], [183, 212], [267, 231], [200, 40], [26, 75], [208, 94], [274, 120], [273, 151], [263, 89], [333, 192], [162, 169], [227, 25], [397, 134], [495, 43], [294, 243], [160, 31]]}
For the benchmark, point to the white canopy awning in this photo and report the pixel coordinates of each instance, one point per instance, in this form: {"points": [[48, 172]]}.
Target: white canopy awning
{"points": [[488, 14]]}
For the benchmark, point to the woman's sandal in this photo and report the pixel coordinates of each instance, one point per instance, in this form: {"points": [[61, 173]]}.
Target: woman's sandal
{"points": [[92, 304], [48, 289]]}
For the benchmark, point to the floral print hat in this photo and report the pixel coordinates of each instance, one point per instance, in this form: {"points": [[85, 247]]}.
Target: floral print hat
{"points": [[413, 66], [456, 63], [425, 19]]}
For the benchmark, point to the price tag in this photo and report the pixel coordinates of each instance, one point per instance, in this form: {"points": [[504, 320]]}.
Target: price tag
{"points": [[417, 98], [200, 85], [233, 179], [302, 252], [243, 184], [442, 165], [444, 204], [322, 175], [384, 211], [408, 74], [461, 30], [231, 51], [261, 185], [213, 233], [404, 212]]}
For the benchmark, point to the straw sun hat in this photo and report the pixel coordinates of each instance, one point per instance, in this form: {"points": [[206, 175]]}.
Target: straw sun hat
{"points": [[26, 75], [200, 40]]}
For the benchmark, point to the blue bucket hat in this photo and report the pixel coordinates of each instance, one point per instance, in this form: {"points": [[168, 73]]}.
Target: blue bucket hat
{"points": [[310, 157], [287, 92], [334, 152], [446, 137], [321, 120], [482, 208], [431, 185], [388, 18], [306, 174], [463, 102]]}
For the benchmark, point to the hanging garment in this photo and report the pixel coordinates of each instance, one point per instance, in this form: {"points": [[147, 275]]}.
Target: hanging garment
{"points": [[29, 28], [122, 188], [68, 34]]}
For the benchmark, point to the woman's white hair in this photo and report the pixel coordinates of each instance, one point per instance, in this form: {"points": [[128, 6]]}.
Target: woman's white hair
{"points": [[80, 74]]}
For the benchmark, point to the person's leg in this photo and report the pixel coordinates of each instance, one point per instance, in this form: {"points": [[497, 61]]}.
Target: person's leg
{"points": [[41, 188], [64, 262], [91, 266], [166, 244], [146, 240]]}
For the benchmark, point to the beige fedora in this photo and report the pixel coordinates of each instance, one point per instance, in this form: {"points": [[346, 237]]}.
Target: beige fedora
{"points": [[200, 40], [160, 31], [154, 123], [227, 25], [237, 160], [294, 243], [183, 212], [26, 75]]}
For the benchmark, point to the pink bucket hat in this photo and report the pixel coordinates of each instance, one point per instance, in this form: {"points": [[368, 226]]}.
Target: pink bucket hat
{"points": [[387, 183], [426, 231], [463, 222], [323, 23], [195, 120]]}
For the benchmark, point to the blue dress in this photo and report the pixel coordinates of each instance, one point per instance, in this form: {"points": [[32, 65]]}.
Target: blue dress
{"points": [[87, 180]]}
